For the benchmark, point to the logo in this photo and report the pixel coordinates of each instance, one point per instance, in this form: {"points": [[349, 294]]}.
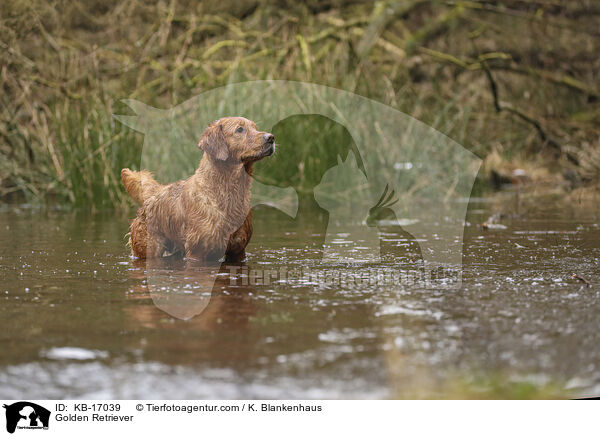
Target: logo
{"points": [[26, 415], [393, 172]]}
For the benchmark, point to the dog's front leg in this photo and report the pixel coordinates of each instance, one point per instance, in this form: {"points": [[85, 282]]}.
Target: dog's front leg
{"points": [[236, 248], [194, 253], [195, 249]]}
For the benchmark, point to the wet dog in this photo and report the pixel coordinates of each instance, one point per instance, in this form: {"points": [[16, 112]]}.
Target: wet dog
{"points": [[207, 215]]}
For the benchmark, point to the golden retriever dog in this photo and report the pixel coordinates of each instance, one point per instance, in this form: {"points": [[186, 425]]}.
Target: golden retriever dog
{"points": [[207, 215]]}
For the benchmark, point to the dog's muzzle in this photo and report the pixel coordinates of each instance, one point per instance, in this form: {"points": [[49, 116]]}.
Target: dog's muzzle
{"points": [[269, 150], [269, 140]]}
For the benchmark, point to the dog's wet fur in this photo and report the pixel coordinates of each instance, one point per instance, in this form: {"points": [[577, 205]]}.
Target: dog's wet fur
{"points": [[207, 215]]}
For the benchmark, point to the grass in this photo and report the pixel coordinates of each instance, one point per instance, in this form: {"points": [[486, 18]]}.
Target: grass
{"points": [[500, 386], [66, 66], [496, 386]]}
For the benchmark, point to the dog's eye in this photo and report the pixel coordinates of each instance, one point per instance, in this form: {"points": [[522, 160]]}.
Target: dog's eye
{"points": [[239, 130]]}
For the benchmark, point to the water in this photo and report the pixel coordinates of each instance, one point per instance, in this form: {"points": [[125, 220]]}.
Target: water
{"points": [[79, 318]]}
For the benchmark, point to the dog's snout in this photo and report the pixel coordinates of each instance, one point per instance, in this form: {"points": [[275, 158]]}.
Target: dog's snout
{"points": [[268, 138], [270, 148]]}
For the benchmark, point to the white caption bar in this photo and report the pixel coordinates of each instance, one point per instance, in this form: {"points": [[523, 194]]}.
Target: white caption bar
{"points": [[158, 417]]}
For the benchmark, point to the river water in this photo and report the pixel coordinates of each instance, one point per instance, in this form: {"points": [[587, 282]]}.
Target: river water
{"points": [[81, 319]]}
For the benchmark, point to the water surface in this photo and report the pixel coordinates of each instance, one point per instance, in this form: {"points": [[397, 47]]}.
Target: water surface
{"points": [[79, 321]]}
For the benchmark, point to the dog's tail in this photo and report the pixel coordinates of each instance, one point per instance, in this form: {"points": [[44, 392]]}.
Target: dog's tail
{"points": [[139, 184]]}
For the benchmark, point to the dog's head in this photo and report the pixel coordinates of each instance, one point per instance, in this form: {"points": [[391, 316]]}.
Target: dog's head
{"points": [[236, 139]]}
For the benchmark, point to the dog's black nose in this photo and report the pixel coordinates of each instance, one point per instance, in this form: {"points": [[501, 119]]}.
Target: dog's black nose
{"points": [[268, 138]]}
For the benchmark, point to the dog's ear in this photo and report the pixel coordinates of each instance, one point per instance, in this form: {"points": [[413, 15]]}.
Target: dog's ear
{"points": [[213, 142]]}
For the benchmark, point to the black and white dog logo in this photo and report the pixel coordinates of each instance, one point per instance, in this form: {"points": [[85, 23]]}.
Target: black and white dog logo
{"points": [[26, 415]]}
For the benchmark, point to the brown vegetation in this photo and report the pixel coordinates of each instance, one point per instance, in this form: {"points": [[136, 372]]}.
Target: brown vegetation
{"points": [[516, 77]]}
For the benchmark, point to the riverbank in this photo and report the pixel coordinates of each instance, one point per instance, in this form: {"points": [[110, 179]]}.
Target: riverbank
{"points": [[481, 73]]}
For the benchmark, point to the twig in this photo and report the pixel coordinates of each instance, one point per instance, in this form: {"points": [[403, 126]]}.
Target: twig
{"points": [[559, 79], [500, 106], [383, 15], [582, 279], [503, 10], [434, 28]]}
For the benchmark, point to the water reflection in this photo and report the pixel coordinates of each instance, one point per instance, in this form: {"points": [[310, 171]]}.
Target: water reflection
{"points": [[209, 297]]}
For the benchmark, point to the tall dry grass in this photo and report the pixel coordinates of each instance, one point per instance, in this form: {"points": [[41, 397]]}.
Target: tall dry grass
{"points": [[517, 78]]}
